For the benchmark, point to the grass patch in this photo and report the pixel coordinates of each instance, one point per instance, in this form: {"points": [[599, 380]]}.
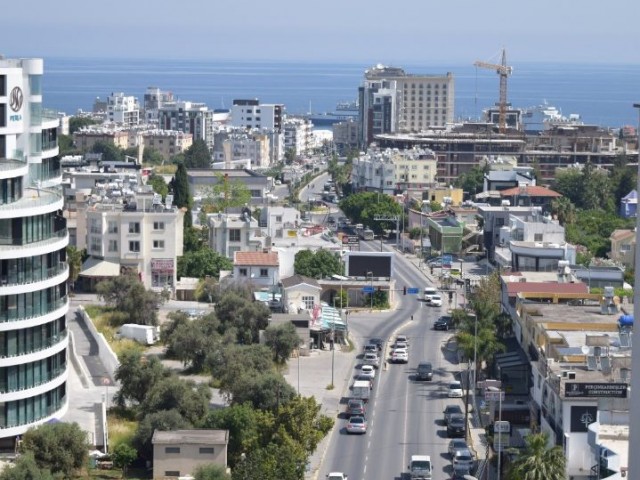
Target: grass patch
{"points": [[107, 322], [132, 474], [331, 386], [165, 169], [121, 429], [350, 347]]}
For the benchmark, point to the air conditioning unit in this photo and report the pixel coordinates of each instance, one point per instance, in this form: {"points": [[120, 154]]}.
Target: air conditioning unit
{"points": [[571, 375]]}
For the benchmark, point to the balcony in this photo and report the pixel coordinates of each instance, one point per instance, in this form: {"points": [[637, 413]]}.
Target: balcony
{"points": [[49, 278], [51, 307], [54, 411], [13, 168], [58, 240], [50, 347], [33, 202]]}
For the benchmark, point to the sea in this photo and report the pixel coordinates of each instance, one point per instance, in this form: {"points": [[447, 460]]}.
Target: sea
{"points": [[602, 94]]}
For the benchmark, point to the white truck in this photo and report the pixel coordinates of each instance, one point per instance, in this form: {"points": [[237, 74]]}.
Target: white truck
{"points": [[420, 467], [361, 390], [144, 334]]}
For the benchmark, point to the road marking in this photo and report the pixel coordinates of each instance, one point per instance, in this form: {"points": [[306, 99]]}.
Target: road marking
{"points": [[406, 418]]}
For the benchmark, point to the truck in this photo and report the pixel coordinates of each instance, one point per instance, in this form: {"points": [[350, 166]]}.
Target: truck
{"points": [[144, 334], [420, 467], [361, 390]]}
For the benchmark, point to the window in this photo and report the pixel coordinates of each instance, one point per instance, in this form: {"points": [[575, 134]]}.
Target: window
{"points": [[113, 227], [134, 227], [264, 272], [134, 246], [158, 244], [234, 235], [279, 218], [96, 244], [625, 248], [171, 449], [243, 272], [308, 302], [158, 225], [206, 450], [113, 246], [172, 473], [537, 237]]}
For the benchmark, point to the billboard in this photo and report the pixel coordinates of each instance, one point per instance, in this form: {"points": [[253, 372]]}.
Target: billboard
{"points": [[364, 264], [595, 390], [582, 417]]}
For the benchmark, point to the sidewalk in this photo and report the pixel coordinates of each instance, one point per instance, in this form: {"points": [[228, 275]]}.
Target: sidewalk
{"points": [[315, 375]]}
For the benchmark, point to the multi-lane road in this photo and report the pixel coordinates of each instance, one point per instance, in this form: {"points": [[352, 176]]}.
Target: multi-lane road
{"points": [[404, 416]]}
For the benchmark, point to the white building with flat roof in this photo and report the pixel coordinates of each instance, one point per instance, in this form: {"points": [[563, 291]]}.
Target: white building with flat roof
{"points": [[123, 109]]}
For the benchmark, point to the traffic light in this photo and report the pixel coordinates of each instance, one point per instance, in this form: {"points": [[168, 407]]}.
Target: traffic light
{"points": [[404, 290], [431, 270]]}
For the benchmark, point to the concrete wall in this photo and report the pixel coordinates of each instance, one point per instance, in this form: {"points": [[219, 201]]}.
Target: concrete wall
{"points": [[108, 358]]}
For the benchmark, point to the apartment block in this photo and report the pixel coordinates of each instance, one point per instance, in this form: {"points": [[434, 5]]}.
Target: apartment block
{"points": [[123, 109], [168, 143]]}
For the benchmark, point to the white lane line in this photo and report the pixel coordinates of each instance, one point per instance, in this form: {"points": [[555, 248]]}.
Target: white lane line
{"points": [[406, 418]]}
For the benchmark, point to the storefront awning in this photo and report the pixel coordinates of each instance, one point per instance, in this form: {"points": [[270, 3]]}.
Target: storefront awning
{"points": [[95, 267]]}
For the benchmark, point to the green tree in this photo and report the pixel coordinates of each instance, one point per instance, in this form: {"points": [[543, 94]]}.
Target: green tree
{"points": [[174, 393], [127, 294], [110, 153], [74, 259], [231, 361], [272, 462], [538, 460], [65, 145], [192, 341], [225, 194], [435, 206], [179, 186], [564, 210], [197, 155], [137, 375], [283, 340], [623, 179], [163, 421], [319, 264], [596, 190], [77, 123], [472, 182], [245, 317], [159, 185], [266, 391], [568, 182], [303, 423], [202, 263], [59, 447], [207, 290], [123, 455], [211, 472], [593, 228], [25, 468]]}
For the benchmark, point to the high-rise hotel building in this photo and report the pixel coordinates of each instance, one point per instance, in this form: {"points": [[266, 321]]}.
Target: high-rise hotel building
{"points": [[33, 268]]}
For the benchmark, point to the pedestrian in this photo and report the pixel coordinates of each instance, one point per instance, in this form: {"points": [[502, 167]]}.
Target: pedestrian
{"points": [[412, 318]]}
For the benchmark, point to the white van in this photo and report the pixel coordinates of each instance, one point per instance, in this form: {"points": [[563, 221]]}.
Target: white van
{"points": [[429, 292]]}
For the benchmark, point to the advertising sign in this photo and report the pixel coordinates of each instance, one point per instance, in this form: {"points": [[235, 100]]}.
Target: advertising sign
{"points": [[595, 390], [582, 417]]}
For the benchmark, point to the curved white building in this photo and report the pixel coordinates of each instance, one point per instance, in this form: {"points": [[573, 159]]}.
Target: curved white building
{"points": [[33, 267]]}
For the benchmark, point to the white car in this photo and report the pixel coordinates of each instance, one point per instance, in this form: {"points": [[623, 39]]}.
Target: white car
{"points": [[337, 476], [400, 356], [400, 346], [436, 301], [368, 371], [455, 389], [402, 339]]}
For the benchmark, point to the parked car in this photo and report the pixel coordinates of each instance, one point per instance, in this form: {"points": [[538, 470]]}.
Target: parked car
{"points": [[451, 410], [455, 389], [356, 407], [357, 424], [371, 359], [363, 378], [424, 371], [436, 300], [368, 371], [457, 444], [456, 426], [443, 323]]}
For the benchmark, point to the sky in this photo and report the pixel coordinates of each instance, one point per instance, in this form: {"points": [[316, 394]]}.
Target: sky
{"points": [[391, 32]]}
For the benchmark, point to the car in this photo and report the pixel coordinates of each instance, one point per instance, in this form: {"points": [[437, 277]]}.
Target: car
{"points": [[400, 350], [400, 346], [451, 410], [424, 371], [456, 425], [370, 348], [436, 301], [436, 263], [457, 444], [378, 342], [400, 356], [278, 182], [363, 378], [429, 292], [368, 371], [455, 389], [357, 424], [402, 338], [463, 461], [371, 359], [355, 406], [443, 323], [337, 476]]}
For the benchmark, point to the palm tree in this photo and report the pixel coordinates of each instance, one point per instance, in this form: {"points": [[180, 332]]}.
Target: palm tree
{"points": [[564, 210], [484, 347], [74, 259], [538, 461]]}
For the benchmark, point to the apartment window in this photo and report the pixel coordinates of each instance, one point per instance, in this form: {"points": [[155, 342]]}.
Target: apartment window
{"points": [[96, 244], [537, 237], [264, 272], [243, 272], [158, 225], [113, 227], [134, 246], [206, 450], [158, 244], [308, 302], [134, 227], [234, 235], [113, 246], [625, 248], [172, 473], [171, 449], [279, 218]]}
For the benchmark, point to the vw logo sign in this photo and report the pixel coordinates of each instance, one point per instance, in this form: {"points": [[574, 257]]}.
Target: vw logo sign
{"points": [[15, 99]]}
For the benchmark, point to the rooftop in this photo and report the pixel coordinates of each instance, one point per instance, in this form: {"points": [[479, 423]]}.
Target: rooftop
{"points": [[530, 191], [211, 437], [256, 258], [299, 279]]}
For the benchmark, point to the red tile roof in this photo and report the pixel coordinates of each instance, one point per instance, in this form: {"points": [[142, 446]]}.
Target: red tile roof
{"points": [[530, 190], [515, 288], [263, 259]]}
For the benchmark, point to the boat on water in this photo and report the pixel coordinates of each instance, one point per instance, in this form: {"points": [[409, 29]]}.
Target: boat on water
{"points": [[545, 116], [343, 112]]}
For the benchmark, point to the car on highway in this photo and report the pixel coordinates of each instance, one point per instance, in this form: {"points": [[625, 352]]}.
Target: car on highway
{"points": [[463, 462], [368, 372], [420, 467], [451, 410], [363, 378], [371, 359], [356, 407], [400, 356], [378, 342], [436, 300], [337, 476], [456, 426], [357, 424], [455, 389], [429, 292], [443, 323], [424, 371], [402, 338], [455, 445], [400, 346], [370, 348]]}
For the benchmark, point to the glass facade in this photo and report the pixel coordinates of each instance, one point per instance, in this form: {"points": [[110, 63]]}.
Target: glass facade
{"points": [[26, 230], [49, 138], [35, 111], [35, 84], [32, 304], [10, 190], [48, 169], [14, 343], [29, 410], [18, 271], [32, 374]]}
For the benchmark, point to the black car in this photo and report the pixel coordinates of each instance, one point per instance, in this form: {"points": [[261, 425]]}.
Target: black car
{"points": [[455, 426], [451, 410], [424, 371], [378, 342], [443, 323]]}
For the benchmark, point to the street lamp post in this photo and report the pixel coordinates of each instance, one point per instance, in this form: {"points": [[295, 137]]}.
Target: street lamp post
{"points": [[370, 275]]}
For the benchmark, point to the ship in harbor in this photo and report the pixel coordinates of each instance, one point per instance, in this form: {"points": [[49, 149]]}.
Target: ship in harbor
{"points": [[344, 111]]}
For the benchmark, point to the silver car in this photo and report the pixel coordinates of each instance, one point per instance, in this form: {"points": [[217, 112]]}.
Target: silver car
{"points": [[371, 359], [463, 461]]}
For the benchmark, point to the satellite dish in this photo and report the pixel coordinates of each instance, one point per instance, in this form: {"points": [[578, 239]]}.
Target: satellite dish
{"points": [[585, 349]]}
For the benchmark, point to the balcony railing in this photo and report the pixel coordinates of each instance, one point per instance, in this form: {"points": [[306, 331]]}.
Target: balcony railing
{"points": [[55, 237], [48, 343], [52, 375], [13, 315], [5, 281], [33, 198], [7, 164], [48, 411]]}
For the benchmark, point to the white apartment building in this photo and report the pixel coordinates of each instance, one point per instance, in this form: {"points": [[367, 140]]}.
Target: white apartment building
{"points": [[278, 220], [142, 236], [251, 114], [298, 135], [34, 271], [154, 98], [231, 233], [123, 109], [242, 149], [393, 101], [393, 171], [257, 268], [188, 117]]}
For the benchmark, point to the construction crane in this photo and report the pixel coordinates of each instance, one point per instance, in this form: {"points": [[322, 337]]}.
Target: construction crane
{"points": [[504, 71]]}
